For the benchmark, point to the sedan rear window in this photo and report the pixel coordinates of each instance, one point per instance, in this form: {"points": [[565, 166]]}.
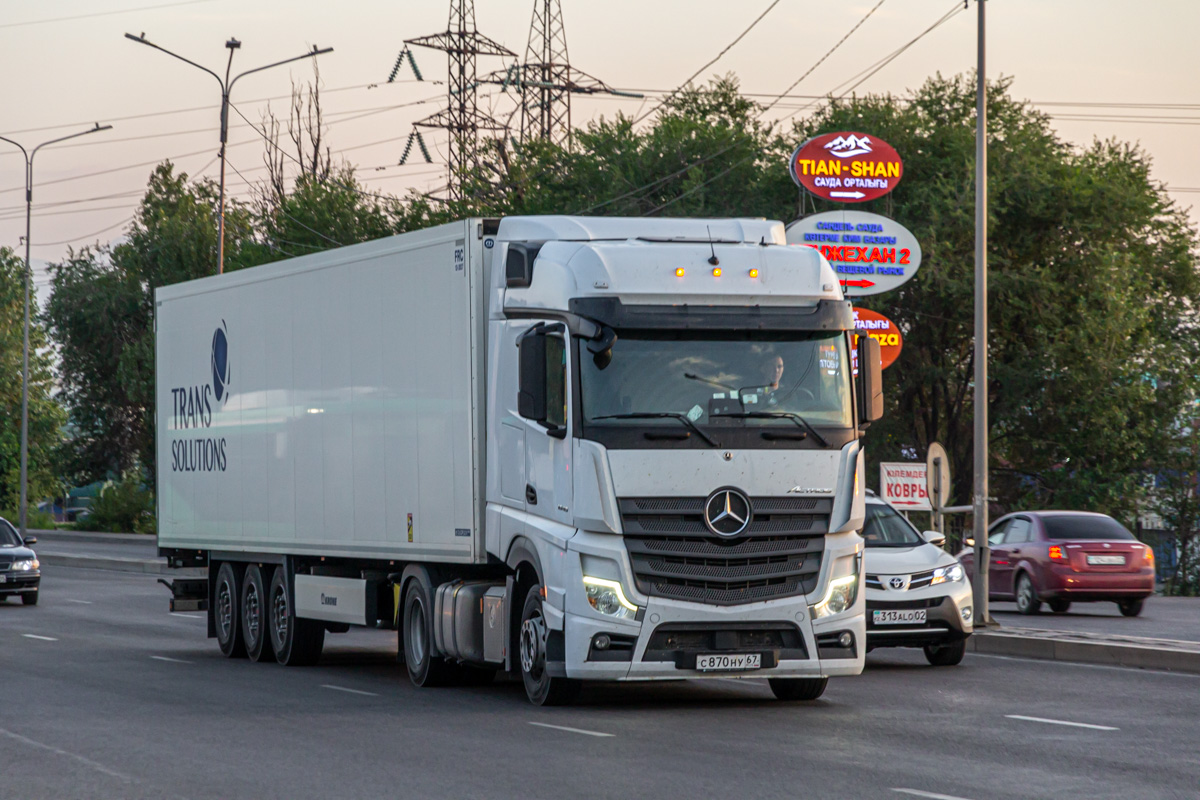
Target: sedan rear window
{"points": [[1085, 527]]}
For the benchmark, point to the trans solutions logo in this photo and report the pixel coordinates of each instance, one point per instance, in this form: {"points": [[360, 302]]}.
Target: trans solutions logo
{"points": [[192, 408]]}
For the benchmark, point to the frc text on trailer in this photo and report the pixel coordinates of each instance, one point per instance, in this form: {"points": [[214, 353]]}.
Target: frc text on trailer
{"points": [[572, 448]]}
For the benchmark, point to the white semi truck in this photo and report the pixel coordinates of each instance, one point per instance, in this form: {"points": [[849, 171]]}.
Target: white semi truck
{"points": [[572, 448]]}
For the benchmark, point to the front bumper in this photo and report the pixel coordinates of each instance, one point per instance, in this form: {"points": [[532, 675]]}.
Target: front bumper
{"points": [[19, 582], [663, 641], [943, 624]]}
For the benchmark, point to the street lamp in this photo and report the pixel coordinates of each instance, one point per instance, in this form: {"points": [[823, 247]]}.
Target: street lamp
{"points": [[226, 88], [29, 154]]}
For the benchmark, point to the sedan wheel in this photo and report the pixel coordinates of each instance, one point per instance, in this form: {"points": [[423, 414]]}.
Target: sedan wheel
{"points": [[1027, 600]]}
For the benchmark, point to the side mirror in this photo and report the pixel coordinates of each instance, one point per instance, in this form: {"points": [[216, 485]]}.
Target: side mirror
{"points": [[870, 380], [518, 265], [30, 540], [542, 391], [934, 538]]}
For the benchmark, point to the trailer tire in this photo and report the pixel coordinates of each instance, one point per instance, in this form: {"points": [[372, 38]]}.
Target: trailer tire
{"points": [[226, 600], [416, 637], [255, 608], [296, 642], [798, 688], [540, 687]]}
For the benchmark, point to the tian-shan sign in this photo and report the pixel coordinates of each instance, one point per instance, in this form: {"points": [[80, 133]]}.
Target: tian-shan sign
{"points": [[847, 167], [870, 253]]}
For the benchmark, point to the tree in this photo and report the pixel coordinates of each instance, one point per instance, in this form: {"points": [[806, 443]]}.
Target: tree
{"points": [[1092, 350], [1176, 500], [45, 415]]}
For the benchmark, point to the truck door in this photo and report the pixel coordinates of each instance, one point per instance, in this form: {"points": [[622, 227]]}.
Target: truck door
{"points": [[544, 402]]}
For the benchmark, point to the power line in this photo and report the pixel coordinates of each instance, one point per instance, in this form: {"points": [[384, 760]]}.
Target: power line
{"points": [[100, 14], [728, 47], [87, 236]]}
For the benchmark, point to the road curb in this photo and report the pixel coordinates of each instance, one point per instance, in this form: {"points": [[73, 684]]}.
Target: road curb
{"points": [[145, 566], [1141, 655]]}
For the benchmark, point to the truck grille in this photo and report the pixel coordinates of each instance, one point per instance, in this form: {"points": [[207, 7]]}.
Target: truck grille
{"points": [[674, 555]]}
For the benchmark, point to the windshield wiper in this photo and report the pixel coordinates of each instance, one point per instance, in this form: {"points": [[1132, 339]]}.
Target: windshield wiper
{"points": [[800, 421], [665, 415]]}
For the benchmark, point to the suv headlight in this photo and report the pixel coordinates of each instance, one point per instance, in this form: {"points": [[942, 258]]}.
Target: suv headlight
{"points": [[25, 564], [954, 572], [608, 598]]}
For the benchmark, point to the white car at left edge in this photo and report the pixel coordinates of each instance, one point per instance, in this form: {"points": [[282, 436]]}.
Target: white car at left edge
{"points": [[917, 594]]}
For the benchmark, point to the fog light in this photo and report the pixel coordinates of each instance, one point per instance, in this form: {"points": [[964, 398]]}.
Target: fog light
{"points": [[601, 642], [845, 640], [966, 613]]}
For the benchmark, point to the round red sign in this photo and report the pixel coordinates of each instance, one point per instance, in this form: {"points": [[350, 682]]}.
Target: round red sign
{"points": [[883, 330], [847, 167]]}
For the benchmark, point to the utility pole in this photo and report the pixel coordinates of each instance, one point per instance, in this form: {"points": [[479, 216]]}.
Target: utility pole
{"points": [[226, 88], [980, 499], [23, 512], [463, 43]]}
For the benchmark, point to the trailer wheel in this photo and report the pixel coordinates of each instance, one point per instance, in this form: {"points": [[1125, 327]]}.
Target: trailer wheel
{"points": [[798, 688], [296, 642], [254, 615], [424, 668], [540, 687], [225, 612]]}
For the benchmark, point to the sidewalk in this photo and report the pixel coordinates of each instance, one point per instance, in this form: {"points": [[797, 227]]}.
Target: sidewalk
{"points": [[1092, 633]]}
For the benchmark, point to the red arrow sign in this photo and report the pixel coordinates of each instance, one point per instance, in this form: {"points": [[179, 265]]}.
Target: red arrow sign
{"points": [[862, 284]]}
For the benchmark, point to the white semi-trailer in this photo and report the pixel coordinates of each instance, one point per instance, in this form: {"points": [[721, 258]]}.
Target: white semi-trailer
{"points": [[573, 448]]}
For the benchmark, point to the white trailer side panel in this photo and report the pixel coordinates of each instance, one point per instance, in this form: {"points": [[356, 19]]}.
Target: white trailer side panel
{"points": [[348, 396]]}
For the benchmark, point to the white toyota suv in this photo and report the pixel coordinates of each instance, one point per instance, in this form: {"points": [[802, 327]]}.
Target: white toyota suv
{"points": [[917, 593]]}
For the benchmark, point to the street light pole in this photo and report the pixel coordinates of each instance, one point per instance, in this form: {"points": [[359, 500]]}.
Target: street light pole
{"points": [[24, 501], [982, 551], [226, 88]]}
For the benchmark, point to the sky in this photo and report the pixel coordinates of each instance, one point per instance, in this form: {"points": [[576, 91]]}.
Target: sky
{"points": [[1102, 68]]}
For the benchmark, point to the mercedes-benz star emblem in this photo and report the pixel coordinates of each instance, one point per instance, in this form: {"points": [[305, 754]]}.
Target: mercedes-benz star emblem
{"points": [[727, 512]]}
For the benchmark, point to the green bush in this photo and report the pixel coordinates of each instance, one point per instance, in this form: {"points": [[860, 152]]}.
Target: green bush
{"points": [[34, 519], [125, 507]]}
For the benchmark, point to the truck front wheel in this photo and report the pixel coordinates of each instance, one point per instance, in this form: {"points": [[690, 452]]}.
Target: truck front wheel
{"points": [[541, 689], [225, 609], [296, 642], [798, 688]]}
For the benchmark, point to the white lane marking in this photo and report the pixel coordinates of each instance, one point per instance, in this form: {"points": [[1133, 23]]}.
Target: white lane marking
{"points": [[933, 795], [39, 638], [1062, 722], [344, 689], [172, 660], [1041, 661], [85, 761], [81, 602], [187, 616], [571, 730]]}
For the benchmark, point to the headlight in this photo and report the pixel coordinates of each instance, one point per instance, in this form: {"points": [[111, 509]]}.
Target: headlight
{"points": [[25, 564], [954, 572], [608, 598], [839, 597]]}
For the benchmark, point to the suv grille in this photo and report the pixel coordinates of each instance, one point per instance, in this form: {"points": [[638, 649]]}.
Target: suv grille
{"points": [[674, 554]]}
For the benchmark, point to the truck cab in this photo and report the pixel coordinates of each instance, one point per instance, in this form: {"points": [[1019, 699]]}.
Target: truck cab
{"points": [[676, 472]]}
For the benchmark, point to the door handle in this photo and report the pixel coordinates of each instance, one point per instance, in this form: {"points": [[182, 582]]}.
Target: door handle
{"points": [[530, 494]]}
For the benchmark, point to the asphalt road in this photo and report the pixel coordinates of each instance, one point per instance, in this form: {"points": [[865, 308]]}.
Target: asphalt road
{"points": [[106, 695], [1161, 618]]}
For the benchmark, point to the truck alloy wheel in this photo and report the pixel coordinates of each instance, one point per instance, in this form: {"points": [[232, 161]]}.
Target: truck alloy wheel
{"points": [[296, 642], [225, 610], [254, 615], [541, 689], [424, 668]]}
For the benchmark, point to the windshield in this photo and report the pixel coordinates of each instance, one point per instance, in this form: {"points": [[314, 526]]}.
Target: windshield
{"points": [[722, 380], [884, 527], [1085, 527], [8, 535]]}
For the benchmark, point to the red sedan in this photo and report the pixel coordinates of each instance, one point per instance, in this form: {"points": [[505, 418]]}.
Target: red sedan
{"points": [[1059, 557]]}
